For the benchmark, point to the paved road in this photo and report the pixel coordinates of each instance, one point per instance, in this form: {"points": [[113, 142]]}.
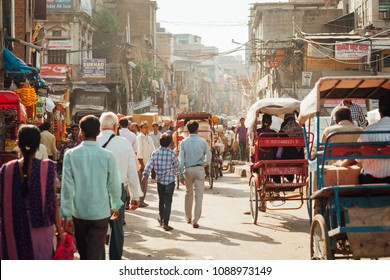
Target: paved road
{"points": [[226, 232]]}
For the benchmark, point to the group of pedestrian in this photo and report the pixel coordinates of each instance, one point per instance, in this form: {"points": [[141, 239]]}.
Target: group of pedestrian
{"points": [[98, 171]]}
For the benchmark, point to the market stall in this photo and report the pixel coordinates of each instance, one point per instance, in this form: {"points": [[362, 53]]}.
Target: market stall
{"points": [[12, 114]]}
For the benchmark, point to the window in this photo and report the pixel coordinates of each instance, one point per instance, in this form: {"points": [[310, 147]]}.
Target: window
{"points": [[56, 57], [57, 33], [384, 5], [386, 60]]}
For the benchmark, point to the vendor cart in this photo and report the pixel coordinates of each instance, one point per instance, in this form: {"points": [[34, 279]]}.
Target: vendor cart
{"points": [[12, 114]]}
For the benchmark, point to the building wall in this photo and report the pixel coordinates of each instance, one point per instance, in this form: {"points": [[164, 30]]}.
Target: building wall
{"points": [[20, 28]]}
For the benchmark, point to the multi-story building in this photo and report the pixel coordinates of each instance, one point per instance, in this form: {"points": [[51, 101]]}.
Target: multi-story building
{"points": [[315, 39], [276, 54]]}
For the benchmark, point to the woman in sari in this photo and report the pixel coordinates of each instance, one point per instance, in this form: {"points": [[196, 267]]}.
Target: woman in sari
{"points": [[29, 211]]}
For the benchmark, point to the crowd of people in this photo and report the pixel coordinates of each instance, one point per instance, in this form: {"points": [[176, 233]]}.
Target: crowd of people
{"points": [[116, 151]]}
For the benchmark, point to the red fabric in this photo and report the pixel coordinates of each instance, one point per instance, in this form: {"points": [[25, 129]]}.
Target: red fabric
{"points": [[65, 250]]}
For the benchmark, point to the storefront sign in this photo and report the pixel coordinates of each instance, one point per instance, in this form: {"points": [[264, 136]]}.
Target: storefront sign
{"points": [[90, 100], [94, 68], [306, 78], [140, 105], [352, 51], [59, 5], [59, 45], [55, 70]]}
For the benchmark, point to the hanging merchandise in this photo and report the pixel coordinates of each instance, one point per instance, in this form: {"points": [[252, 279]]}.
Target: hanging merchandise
{"points": [[27, 94], [59, 126], [13, 87], [9, 120], [40, 110]]}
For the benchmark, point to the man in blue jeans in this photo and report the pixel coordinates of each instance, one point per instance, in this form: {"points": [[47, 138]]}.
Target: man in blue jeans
{"points": [[165, 163]]}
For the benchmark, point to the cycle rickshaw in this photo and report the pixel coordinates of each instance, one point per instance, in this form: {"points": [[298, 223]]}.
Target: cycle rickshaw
{"points": [[351, 220], [205, 131], [266, 193]]}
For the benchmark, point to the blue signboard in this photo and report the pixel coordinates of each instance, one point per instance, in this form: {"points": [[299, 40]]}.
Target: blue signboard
{"points": [[94, 68], [59, 5]]}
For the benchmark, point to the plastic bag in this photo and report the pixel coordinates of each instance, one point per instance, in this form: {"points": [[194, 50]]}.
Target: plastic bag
{"points": [[65, 249]]}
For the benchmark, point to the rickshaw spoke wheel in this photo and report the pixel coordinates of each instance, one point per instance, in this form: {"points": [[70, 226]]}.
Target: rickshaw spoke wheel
{"points": [[319, 240], [211, 175], [254, 199]]}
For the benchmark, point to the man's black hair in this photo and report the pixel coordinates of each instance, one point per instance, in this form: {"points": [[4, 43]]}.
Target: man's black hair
{"points": [[192, 126], [165, 140], [384, 105], [124, 123], [90, 125]]}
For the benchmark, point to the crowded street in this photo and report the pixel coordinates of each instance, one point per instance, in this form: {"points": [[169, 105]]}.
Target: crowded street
{"points": [[226, 229]]}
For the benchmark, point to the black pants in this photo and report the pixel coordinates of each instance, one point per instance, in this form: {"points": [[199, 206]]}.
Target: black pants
{"points": [[369, 179], [90, 236], [117, 236], [165, 194]]}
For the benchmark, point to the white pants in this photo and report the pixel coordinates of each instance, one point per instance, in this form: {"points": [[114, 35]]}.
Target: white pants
{"points": [[195, 177]]}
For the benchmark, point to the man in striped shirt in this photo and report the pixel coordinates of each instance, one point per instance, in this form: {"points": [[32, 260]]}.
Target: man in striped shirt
{"points": [[165, 163], [357, 113]]}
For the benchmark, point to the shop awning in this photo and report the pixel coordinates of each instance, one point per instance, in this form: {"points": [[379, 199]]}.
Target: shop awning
{"points": [[14, 66], [9, 97]]}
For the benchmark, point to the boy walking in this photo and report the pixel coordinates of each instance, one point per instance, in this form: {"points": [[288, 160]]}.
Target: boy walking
{"points": [[165, 163]]}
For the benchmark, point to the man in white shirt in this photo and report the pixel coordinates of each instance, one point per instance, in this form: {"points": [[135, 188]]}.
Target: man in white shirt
{"points": [[145, 148], [126, 133], [376, 171], [155, 135], [126, 163]]}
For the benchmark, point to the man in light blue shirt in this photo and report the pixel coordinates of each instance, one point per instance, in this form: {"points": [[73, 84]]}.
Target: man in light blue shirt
{"points": [[90, 184], [194, 155]]}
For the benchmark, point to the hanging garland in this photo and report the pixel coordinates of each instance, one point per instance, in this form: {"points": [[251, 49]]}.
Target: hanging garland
{"points": [[27, 94]]}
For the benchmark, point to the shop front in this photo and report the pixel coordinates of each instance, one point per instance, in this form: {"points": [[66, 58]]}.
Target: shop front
{"points": [[12, 114]]}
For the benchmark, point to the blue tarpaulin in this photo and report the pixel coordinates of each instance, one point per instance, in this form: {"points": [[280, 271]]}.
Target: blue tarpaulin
{"points": [[14, 66]]}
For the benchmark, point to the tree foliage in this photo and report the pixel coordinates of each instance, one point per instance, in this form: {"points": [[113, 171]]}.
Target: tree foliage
{"points": [[143, 75], [106, 21]]}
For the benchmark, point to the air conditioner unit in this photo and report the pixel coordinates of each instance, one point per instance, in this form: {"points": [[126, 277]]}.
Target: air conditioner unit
{"points": [[386, 15]]}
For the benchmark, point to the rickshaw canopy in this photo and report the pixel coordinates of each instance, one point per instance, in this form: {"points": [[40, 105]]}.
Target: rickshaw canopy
{"points": [[366, 87], [273, 106]]}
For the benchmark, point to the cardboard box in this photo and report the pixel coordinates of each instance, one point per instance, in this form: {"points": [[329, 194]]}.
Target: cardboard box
{"points": [[338, 176], [149, 117]]}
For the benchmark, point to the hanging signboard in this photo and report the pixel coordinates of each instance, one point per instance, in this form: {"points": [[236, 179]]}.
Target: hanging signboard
{"points": [[59, 45], [352, 51], [94, 68], [59, 5], [55, 70], [306, 78], [140, 105]]}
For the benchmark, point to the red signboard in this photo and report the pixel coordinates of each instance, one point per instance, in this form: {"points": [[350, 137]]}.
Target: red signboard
{"points": [[55, 70]]}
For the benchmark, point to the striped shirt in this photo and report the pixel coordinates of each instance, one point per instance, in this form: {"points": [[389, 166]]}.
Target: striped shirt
{"points": [[357, 114], [165, 164], [379, 168]]}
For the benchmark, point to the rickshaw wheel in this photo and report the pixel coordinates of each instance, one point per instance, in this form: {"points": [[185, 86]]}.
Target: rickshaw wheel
{"points": [[254, 198], [307, 190], [319, 240], [211, 176]]}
